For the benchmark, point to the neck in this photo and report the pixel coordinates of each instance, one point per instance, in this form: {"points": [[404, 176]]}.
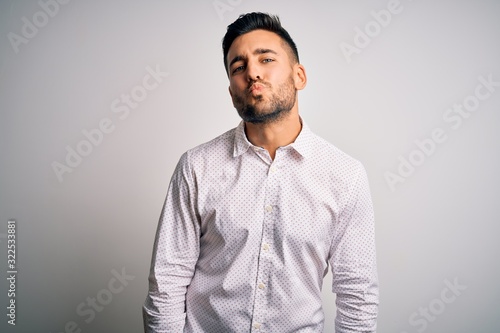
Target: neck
{"points": [[276, 134]]}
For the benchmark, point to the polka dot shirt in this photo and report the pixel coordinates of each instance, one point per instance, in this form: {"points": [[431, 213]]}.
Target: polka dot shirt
{"points": [[244, 241]]}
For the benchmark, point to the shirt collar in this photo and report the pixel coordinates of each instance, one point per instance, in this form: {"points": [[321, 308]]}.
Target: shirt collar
{"points": [[241, 143], [301, 144]]}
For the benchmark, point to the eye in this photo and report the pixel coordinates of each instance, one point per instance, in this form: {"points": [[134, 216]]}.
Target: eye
{"points": [[268, 60], [238, 69]]}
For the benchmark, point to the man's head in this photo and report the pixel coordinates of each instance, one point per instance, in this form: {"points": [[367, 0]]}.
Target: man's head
{"points": [[257, 21], [263, 67]]}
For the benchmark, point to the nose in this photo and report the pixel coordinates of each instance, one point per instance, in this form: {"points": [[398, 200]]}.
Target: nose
{"points": [[253, 71]]}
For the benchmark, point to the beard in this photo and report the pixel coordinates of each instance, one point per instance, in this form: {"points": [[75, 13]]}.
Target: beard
{"points": [[261, 111]]}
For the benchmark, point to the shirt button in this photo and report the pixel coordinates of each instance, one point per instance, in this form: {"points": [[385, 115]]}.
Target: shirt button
{"points": [[265, 247], [273, 169], [261, 286], [256, 326], [269, 208]]}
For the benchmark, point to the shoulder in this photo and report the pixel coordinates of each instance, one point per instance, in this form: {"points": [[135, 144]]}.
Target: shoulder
{"points": [[329, 155], [338, 170], [219, 148], [206, 157]]}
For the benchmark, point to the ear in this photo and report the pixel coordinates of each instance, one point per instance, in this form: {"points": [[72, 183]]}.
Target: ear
{"points": [[300, 77]]}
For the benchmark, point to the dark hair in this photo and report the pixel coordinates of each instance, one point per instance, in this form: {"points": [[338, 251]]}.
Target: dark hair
{"points": [[256, 21]]}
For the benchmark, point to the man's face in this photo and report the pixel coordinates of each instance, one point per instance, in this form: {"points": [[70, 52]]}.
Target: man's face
{"points": [[261, 77]]}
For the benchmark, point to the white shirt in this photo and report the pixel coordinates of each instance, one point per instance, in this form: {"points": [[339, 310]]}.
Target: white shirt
{"points": [[243, 242]]}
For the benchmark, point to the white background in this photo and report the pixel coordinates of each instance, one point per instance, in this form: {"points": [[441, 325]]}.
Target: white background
{"points": [[440, 224]]}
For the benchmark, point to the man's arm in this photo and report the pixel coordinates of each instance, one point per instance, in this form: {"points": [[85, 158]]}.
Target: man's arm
{"points": [[175, 253], [353, 261]]}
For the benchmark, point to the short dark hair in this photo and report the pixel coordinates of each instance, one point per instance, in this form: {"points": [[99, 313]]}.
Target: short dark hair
{"points": [[256, 21]]}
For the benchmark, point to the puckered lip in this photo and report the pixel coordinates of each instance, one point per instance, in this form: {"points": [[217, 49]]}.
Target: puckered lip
{"points": [[256, 87]]}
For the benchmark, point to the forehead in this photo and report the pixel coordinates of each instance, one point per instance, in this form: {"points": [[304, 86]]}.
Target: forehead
{"points": [[258, 39]]}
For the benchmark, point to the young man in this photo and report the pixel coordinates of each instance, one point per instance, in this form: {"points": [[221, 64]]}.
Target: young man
{"points": [[253, 218]]}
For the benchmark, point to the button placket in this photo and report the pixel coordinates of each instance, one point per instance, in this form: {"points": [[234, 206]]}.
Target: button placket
{"points": [[265, 256]]}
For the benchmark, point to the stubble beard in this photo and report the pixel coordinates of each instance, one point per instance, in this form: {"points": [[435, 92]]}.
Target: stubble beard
{"points": [[278, 107]]}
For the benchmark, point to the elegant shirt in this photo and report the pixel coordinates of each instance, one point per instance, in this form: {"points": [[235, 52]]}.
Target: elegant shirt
{"points": [[244, 241]]}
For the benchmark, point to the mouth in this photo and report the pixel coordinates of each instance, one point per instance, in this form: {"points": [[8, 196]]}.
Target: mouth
{"points": [[256, 88]]}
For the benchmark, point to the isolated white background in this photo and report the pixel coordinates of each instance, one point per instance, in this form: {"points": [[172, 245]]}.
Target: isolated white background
{"points": [[440, 224]]}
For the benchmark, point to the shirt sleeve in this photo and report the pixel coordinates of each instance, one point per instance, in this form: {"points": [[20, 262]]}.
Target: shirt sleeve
{"points": [[175, 253], [353, 261]]}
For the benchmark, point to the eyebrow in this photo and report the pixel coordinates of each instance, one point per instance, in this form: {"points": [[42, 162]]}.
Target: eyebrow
{"points": [[257, 51]]}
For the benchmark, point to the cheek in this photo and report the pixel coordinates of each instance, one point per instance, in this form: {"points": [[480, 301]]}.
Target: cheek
{"points": [[236, 88], [277, 77], [234, 96]]}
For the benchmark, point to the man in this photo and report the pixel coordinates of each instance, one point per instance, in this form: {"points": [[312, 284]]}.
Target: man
{"points": [[253, 218]]}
